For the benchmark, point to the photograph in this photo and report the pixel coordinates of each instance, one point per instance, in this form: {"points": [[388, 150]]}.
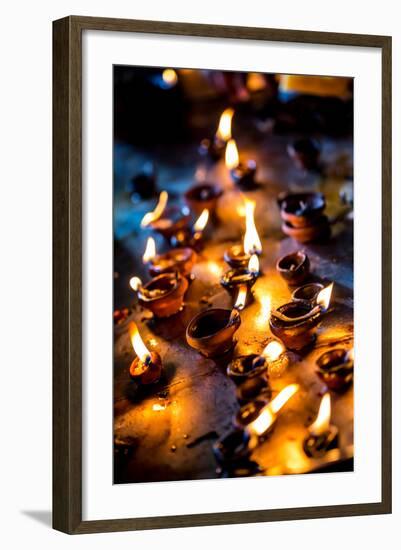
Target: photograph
{"points": [[232, 276]]}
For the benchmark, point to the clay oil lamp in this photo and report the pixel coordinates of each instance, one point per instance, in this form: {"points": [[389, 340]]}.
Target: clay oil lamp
{"points": [[243, 367], [294, 267], [302, 216], [295, 323], [307, 293], [322, 436], [214, 148], [146, 368], [255, 386], [212, 331], [192, 237], [305, 153], [273, 359], [336, 368], [258, 418], [238, 256], [203, 196], [166, 221], [179, 260], [239, 282], [242, 173], [163, 295]]}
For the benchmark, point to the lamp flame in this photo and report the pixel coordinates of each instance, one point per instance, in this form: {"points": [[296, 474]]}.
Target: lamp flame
{"points": [[322, 422], [135, 283], [137, 343], [169, 77], [273, 350], [201, 222], [268, 414], [224, 129], [253, 264], [150, 250], [252, 243], [231, 156], [241, 298], [324, 296], [157, 212]]}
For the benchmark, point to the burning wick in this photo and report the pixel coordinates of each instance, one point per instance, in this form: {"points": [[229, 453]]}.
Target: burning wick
{"points": [[157, 212], [240, 281], [150, 250], [268, 415], [241, 298], [322, 436], [274, 357], [231, 156], [224, 129], [146, 367], [243, 174]]}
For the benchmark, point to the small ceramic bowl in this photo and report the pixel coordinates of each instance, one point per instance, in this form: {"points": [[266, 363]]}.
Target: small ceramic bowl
{"points": [[146, 372], [164, 294], [235, 256], [171, 221], [294, 268], [301, 209], [211, 332], [295, 335], [318, 231], [178, 259]]}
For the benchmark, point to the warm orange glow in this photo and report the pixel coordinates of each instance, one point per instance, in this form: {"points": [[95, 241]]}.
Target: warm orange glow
{"points": [[255, 82], [157, 212], [135, 283], [268, 414], [158, 407], [253, 264], [137, 343], [231, 157], [241, 297], [214, 268], [252, 243], [170, 77], [224, 129], [322, 422], [201, 222], [150, 250], [273, 350], [263, 315], [323, 298]]}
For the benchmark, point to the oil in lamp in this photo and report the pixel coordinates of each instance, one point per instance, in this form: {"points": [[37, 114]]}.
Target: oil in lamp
{"points": [[203, 196], [211, 332], [166, 220], [295, 323], [242, 174], [193, 237], [179, 260], [294, 267], [163, 295], [308, 293], [238, 256], [322, 436], [239, 282], [273, 358], [146, 368], [336, 368], [215, 148]]}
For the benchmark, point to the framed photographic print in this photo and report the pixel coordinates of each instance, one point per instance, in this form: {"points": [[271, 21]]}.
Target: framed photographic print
{"points": [[222, 274]]}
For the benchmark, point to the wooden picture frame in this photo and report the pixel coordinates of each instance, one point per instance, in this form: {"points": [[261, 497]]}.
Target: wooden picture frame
{"points": [[67, 273]]}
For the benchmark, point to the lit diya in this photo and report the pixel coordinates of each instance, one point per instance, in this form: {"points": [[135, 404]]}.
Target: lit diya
{"points": [[273, 359], [308, 293], [336, 368], [322, 436], [238, 256], [166, 221], [295, 323], [192, 237], [179, 260], [215, 148], [242, 173], [163, 295], [294, 267], [146, 368], [239, 282], [203, 196], [211, 332]]}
